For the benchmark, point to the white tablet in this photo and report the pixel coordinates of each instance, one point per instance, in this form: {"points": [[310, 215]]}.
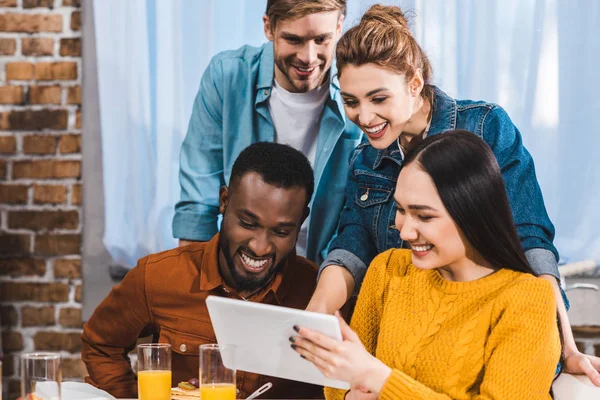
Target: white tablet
{"points": [[261, 334]]}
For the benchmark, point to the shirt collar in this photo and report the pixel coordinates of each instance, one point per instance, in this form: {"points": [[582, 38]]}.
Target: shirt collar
{"points": [[266, 69], [210, 276], [266, 76]]}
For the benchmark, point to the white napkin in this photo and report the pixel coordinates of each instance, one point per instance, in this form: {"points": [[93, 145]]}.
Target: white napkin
{"points": [[82, 391], [574, 387]]}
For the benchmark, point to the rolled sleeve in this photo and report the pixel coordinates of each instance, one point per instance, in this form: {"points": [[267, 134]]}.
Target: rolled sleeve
{"points": [[543, 262], [201, 162], [190, 225], [352, 263]]}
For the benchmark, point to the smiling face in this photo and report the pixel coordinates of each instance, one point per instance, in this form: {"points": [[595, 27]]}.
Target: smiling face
{"points": [[423, 221], [381, 103], [259, 230], [304, 49]]}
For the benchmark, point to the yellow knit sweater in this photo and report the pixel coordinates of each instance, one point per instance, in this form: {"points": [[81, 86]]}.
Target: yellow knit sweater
{"points": [[493, 338]]}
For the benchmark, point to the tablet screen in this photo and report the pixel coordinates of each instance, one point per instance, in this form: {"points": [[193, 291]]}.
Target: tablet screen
{"points": [[260, 333]]}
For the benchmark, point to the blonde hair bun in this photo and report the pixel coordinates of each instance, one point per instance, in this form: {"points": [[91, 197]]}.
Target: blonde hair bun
{"points": [[382, 38], [387, 15]]}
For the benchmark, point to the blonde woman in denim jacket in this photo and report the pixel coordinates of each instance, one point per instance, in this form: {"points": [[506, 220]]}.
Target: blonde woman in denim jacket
{"points": [[385, 83]]}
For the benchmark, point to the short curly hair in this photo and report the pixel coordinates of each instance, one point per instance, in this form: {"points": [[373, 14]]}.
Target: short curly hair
{"points": [[277, 164]]}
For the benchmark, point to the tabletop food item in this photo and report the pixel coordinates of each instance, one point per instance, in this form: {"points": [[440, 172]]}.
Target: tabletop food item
{"points": [[194, 381], [182, 394], [186, 386]]}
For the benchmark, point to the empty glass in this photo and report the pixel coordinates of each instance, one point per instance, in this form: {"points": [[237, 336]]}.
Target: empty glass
{"points": [[40, 376], [216, 381], [1, 356], [154, 371]]}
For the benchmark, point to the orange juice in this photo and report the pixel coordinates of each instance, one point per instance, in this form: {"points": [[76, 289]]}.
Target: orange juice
{"points": [[154, 385], [218, 391]]}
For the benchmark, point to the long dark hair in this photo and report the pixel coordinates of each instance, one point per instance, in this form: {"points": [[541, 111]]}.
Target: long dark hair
{"points": [[470, 184]]}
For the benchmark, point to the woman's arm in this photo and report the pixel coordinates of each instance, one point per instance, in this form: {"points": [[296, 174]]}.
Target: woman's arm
{"points": [[367, 315], [520, 356], [334, 288], [351, 251], [536, 231], [575, 361], [533, 225]]}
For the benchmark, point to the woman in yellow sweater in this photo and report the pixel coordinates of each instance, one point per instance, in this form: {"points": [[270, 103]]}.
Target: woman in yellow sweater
{"points": [[460, 315]]}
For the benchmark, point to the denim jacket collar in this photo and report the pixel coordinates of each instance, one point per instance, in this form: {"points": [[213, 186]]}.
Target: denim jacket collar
{"points": [[444, 112], [443, 119]]}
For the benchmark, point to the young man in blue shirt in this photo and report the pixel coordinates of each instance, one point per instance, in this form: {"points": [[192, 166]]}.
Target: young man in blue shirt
{"points": [[285, 92]]}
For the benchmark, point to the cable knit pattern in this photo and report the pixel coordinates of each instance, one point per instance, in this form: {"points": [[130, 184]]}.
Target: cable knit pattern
{"points": [[493, 338]]}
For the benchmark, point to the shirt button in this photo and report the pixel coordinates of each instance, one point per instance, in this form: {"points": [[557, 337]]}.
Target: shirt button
{"points": [[365, 196], [266, 92], [183, 348]]}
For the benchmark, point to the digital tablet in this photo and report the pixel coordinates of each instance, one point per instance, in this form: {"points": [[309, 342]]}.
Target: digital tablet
{"points": [[261, 334]]}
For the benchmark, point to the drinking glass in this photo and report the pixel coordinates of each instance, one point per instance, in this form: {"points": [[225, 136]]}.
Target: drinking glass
{"points": [[154, 371], [40, 376], [216, 381]]}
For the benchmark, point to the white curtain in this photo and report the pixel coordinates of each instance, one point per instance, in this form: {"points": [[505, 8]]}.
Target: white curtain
{"points": [[536, 58], [151, 55]]}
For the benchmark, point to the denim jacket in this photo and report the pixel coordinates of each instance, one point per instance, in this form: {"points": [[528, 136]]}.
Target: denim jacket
{"points": [[367, 225], [231, 112]]}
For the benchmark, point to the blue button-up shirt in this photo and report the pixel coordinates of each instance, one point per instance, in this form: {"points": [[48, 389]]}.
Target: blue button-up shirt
{"points": [[231, 112]]}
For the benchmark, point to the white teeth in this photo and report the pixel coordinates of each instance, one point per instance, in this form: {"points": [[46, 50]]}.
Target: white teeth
{"points": [[253, 263], [305, 69], [422, 248], [376, 129]]}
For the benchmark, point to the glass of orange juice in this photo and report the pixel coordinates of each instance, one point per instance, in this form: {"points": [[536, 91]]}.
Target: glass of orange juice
{"points": [[154, 371], [217, 382]]}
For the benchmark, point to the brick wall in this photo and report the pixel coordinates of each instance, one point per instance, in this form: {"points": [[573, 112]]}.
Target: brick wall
{"points": [[40, 182]]}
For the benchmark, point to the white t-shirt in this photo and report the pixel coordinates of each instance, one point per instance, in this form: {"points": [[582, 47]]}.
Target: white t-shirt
{"points": [[297, 117]]}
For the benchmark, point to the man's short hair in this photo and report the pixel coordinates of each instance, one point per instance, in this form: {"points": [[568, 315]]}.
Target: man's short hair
{"points": [[277, 164], [282, 10]]}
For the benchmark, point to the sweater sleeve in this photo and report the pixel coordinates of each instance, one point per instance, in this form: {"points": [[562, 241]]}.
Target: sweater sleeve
{"points": [[369, 307], [521, 354], [111, 333]]}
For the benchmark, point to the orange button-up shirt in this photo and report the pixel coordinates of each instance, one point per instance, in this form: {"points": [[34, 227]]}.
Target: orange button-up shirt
{"points": [[164, 295]]}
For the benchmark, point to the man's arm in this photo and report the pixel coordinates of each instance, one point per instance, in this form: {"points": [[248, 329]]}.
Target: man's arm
{"points": [[111, 333], [201, 162]]}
